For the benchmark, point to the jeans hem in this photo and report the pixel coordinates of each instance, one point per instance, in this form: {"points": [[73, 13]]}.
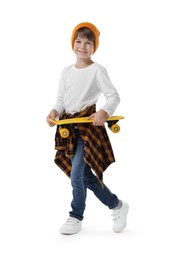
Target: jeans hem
{"points": [[74, 216]]}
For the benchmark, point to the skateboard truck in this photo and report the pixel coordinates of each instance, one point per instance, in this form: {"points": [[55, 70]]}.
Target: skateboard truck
{"points": [[113, 126]]}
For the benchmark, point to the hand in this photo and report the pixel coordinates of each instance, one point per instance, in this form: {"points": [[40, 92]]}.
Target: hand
{"points": [[99, 117], [52, 115]]}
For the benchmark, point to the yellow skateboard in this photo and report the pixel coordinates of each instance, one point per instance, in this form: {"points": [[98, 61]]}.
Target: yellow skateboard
{"points": [[64, 132]]}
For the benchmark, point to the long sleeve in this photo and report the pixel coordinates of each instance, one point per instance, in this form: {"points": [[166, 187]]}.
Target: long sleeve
{"points": [[109, 91], [59, 105], [80, 88]]}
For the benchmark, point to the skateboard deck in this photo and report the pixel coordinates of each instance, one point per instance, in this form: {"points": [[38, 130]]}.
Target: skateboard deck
{"points": [[64, 132], [83, 120]]}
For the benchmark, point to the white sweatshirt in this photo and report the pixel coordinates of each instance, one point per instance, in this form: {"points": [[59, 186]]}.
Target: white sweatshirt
{"points": [[80, 88]]}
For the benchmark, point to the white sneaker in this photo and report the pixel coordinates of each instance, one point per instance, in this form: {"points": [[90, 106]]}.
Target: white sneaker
{"points": [[119, 217], [71, 226]]}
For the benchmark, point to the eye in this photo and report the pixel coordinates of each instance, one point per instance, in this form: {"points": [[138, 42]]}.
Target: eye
{"points": [[78, 41]]}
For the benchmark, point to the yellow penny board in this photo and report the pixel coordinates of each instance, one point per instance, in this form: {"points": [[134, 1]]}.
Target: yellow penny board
{"points": [[82, 120], [64, 132]]}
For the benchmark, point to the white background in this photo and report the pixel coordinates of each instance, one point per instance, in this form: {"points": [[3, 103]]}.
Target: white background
{"points": [[136, 49]]}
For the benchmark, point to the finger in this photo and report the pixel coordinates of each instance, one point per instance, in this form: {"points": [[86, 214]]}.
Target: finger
{"points": [[92, 116], [98, 123], [95, 123], [50, 123]]}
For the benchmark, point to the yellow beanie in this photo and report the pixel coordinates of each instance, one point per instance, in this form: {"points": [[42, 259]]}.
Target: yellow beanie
{"points": [[92, 27]]}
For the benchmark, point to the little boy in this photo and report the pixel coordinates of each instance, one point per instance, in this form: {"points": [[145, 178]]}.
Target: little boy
{"points": [[87, 152]]}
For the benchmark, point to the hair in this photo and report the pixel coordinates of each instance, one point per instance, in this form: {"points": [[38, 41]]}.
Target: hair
{"points": [[85, 32]]}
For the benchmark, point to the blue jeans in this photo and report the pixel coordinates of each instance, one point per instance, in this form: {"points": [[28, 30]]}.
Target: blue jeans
{"points": [[82, 178]]}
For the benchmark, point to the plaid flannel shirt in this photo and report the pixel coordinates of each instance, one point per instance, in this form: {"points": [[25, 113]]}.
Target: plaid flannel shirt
{"points": [[98, 153]]}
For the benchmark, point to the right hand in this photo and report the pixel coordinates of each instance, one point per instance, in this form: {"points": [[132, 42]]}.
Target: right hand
{"points": [[52, 115]]}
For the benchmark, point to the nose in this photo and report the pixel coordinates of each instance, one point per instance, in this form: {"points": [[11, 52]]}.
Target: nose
{"points": [[83, 46]]}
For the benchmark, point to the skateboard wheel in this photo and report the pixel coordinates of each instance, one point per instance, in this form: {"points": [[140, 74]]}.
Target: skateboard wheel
{"points": [[64, 132], [115, 128]]}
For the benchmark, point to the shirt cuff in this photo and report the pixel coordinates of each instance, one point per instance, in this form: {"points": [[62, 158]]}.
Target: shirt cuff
{"points": [[108, 110], [59, 108]]}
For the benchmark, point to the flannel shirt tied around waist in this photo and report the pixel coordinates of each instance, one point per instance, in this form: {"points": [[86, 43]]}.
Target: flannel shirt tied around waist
{"points": [[98, 153]]}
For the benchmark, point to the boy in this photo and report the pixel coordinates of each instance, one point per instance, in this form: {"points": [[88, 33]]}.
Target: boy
{"points": [[88, 146]]}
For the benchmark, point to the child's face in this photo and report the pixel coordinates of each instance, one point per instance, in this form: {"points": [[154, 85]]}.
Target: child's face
{"points": [[83, 48]]}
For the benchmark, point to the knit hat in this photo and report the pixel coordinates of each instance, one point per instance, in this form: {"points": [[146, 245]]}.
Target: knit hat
{"points": [[92, 27]]}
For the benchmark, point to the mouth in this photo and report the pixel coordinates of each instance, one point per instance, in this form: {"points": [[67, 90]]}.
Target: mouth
{"points": [[82, 52]]}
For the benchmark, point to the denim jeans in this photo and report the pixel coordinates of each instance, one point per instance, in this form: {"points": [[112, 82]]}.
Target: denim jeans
{"points": [[82, 178]]}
